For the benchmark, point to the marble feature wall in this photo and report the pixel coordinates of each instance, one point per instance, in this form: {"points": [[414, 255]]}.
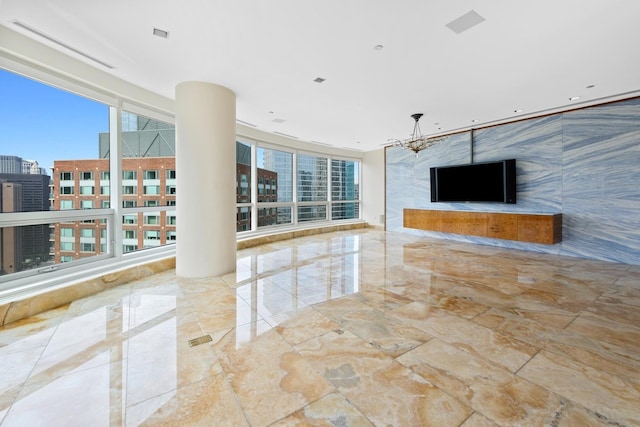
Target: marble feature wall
{"points": [[601, 182], [584, 164]]}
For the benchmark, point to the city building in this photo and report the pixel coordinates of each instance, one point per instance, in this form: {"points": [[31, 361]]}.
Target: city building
{"points": [[267, 190], [148, 180], [24, 188], [18, 165], [85, 184]]}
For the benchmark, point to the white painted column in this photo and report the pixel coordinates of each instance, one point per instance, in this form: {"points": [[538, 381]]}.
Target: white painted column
{"points": [[205, 179]]}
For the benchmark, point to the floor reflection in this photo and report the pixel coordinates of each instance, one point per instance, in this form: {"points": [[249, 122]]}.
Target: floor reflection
{"points": [[349, 328]]}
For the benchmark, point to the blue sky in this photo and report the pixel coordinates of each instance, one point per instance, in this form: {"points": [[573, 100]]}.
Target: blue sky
{"points": [[39, 122]]}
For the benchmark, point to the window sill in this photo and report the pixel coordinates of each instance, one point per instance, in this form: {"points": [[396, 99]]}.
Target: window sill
{"points": [[46, 293]]}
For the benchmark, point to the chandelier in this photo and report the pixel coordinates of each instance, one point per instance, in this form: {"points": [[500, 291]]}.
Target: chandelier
{"points": [[418, 142]]}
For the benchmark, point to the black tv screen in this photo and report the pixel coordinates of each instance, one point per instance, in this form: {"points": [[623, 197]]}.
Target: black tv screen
{"points": [[475, 182]]}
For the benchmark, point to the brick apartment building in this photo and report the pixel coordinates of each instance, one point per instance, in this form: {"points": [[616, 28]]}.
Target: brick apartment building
{"points": [[146, 182], [85, 184]]}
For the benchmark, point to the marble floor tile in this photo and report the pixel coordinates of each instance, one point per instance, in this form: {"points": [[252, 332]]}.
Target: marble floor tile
{"points": [[30, 332], [373, 326], [611, 398], [270, 379], [401, 398], [85, 396], [271, 302], [628, 294], [573, 345], [350, 328], [380, 298], [478, 420], [610, 311], [208, 402], [495, 392], [305, 325], [330, 410], [620, 334], [502, 349]]}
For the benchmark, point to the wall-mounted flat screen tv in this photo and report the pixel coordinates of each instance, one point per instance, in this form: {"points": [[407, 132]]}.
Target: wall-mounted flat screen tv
{"points": [[475, 182]]}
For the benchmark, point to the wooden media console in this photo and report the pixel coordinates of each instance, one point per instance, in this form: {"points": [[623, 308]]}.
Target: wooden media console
{"points": [[522, 227]]}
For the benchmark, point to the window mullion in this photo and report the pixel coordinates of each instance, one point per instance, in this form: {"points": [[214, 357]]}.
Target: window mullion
{"points": [[294, 213], [115, 167], [329, 183], [254, 187]]}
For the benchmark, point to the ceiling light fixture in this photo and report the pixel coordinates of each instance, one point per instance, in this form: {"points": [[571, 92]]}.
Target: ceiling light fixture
{"points": [[319, 80], [574, 98], [418, 142], [519, 110]]}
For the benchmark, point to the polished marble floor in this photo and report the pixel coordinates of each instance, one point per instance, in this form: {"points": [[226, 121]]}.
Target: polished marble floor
{"points": [[353, 328]]}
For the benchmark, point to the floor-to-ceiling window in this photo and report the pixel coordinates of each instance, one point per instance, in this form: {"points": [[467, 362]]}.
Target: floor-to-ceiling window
{"points": [[312, 180], [53, 179], [275, 187], [86, 178], [288, 187], [243, 186], [345, 189], [148, 182]]}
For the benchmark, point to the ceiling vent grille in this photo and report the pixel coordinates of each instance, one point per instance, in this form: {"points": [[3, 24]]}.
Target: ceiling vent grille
{"points": [[465, 22], [39, 33]]}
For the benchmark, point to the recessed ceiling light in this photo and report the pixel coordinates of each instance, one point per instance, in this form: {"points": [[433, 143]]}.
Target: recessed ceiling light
{"points": [[161, 33], [591, 86], [378, 47], [574, 98], [319, 80], [519, 110], [474, 121]]}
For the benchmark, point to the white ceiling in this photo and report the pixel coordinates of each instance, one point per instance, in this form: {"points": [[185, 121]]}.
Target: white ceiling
{"points": [[529, 55]]}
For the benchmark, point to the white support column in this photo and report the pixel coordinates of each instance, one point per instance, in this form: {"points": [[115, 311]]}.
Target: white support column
{"points": [[205, 179]]}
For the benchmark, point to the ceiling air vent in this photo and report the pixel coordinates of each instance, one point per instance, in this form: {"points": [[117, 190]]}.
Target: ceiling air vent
{"points": [[465, 22], [61, 44]]}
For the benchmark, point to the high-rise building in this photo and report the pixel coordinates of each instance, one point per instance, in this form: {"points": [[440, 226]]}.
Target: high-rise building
{"points": [[142, 137], [25, 246], [268, 187], [280, 162], [10, 164]]}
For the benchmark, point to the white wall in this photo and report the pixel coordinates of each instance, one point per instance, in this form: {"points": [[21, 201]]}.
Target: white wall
{"points": [[372, 189]]}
